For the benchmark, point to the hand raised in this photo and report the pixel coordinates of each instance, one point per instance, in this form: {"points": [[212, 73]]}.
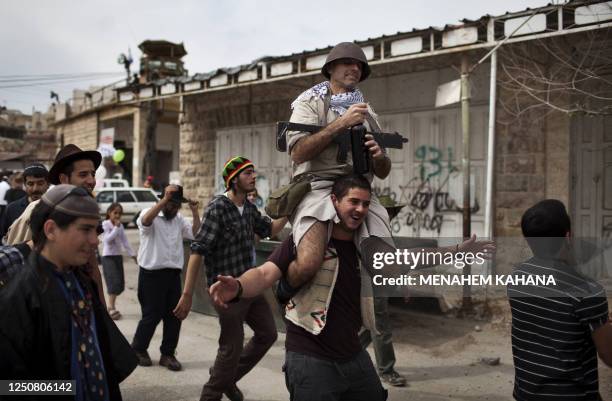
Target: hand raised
{"points": [[194, 204], [487, 248], [168, 192]]}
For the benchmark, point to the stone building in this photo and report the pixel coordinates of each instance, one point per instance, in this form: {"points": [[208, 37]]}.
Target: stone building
{"points": [[147, 131], [26, 138], [540, 147]]}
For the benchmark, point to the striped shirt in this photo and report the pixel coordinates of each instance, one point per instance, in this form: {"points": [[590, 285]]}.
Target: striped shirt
{"points": [[554, 354]]}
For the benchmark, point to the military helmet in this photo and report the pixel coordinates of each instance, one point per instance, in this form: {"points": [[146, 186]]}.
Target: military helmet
{"points": [[347, 50]]}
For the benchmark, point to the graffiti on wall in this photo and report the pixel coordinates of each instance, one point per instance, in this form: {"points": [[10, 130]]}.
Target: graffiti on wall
{"points": [[431, 160], [426, 196]]}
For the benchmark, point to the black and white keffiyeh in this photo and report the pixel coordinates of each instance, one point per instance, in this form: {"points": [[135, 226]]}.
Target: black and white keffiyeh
{"points": [[338, 103]]}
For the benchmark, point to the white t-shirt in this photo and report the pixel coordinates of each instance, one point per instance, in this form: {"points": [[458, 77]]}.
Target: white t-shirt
{"points": [[240, 208], [4, 186], [161, 243]]}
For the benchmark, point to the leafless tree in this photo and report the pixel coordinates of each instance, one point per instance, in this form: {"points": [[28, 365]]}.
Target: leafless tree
{"points": [[569, 74]]}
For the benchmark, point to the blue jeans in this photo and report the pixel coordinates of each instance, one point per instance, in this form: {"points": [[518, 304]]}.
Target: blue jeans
{"points": [[314, 379]]}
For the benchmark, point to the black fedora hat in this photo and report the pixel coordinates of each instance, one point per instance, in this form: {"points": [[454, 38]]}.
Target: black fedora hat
{"points": [[177, 196], [68, 154]]}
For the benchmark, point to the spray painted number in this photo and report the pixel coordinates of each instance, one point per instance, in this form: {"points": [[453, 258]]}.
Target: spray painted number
{"points": [[430, 155]]}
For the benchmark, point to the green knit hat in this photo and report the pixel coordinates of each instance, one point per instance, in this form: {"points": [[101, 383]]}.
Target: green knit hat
{"points": [[233, 167]]}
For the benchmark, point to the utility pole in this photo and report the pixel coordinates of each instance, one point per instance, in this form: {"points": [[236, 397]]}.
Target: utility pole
{"points": [[465, 166], [150, 159]]}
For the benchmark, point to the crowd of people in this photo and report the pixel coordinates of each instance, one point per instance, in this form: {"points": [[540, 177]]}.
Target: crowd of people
{"points": [[56, 322]]}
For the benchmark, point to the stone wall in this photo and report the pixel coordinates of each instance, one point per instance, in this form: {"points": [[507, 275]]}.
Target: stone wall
{"points": [[81, 131], [42, 146], [520, 170], [532, 163], [205, 113]]}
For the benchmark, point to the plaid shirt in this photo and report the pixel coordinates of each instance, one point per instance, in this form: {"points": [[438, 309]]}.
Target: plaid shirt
{"points": [[226, 238]]}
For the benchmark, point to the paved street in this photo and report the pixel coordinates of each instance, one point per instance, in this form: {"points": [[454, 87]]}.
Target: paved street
{"points": [[196, 351], [438, 355]]}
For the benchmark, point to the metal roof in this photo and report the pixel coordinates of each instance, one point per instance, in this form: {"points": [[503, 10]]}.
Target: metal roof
{"points": [[482, 33], [162, 48]]}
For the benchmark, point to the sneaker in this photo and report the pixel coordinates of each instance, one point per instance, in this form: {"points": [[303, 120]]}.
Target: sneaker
{"points": [[234, 394], [170, 362], [394, 379], [143, 358]]}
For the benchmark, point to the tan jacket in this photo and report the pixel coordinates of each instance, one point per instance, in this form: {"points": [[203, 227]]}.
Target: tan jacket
{"points": [[325, 165], [308, 308], [19, 231]]}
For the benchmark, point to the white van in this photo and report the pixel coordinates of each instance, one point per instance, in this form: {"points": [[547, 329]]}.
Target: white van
{"points": [[132, 199]]}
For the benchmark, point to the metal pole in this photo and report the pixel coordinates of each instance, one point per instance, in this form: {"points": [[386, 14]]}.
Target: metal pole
{"points": [[491, 149], [465, 165]]}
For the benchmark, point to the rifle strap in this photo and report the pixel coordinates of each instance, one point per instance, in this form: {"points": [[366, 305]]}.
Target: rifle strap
{"points": [[372, 123]]}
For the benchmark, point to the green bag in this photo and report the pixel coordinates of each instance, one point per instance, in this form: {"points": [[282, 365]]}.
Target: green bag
{"points": [[283, 201]]}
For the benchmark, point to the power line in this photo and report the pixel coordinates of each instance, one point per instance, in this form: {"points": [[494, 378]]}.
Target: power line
{"points": [[55, 82], [13, 80], [57, 75]]}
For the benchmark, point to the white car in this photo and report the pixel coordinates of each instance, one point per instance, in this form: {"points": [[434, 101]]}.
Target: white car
{"points": [[115, 183], [132, 199]]}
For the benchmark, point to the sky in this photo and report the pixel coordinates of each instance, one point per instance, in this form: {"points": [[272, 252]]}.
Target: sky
{"points": [[83, 38]]}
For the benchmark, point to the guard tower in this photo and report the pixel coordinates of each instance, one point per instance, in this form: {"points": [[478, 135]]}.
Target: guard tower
{"points": [[161, 59]]}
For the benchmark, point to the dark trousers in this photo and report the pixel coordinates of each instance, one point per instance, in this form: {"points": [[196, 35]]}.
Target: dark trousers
{"points": [[233, 360], [312, 379], [158, 293], [383, 347]]}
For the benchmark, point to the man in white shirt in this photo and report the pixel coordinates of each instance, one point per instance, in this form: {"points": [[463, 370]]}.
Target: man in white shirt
{"points": [[4, 186], [160, 257]]}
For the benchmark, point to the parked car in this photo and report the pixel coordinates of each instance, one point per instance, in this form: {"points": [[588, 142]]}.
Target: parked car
{"points": [[116, 183], [132, 199]]}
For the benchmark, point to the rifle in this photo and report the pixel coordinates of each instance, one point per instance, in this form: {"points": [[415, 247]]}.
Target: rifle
{"points": [[352, 138]]}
